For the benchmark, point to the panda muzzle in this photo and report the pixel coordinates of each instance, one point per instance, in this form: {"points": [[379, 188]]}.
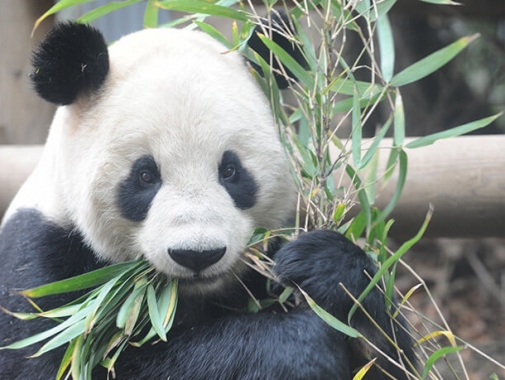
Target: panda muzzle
{"points": [[196, 260]]}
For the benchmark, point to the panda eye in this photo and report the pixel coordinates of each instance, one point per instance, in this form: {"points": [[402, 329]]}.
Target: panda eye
{"points": [[228, 172], [146, 176]]}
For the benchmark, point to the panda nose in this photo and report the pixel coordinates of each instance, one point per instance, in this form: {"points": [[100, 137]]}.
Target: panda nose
{"points": [[196, 260]]}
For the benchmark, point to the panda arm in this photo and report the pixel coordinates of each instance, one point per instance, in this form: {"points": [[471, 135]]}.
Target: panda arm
{"points": [[35, 251], [322, 263]]}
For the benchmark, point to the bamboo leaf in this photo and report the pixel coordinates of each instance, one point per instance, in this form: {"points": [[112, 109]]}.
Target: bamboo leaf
{"points": [[21, 316], [375, 144], [402, 177], [399, 119], [406, 297], [386, 47], [288, 61], [48, 333], [449, 335], [437, 355], [64, 311], [129, 311], [363, 7], [62, 338], [75, 366], [453, 132], [59, 6], [67, 360], [214, 33], [356, 131], [348, 86], [339, 212], [364, 370], [330, 319], [431, 63], [151, 15], [167, 303], [391, 260], [154, 313], [112, 361], [366, 208], [391, 163], [97, 303], [84, 281], [203, 7]]}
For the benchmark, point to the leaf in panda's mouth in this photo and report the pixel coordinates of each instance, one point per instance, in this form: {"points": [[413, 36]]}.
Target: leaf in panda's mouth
{"points": [[129, 303]]}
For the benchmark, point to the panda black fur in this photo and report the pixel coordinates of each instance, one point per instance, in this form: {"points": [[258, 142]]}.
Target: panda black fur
{"points": [[165, 149]]}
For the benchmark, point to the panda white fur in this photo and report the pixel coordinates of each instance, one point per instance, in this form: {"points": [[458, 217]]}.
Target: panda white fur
{"points": [[164, 148]]}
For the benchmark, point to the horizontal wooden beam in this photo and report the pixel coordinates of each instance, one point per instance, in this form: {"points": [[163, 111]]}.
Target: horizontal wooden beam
{"points": [[464, 179]]}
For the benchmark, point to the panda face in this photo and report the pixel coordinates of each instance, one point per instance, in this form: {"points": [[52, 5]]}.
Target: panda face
{"points": [[175, 159]]}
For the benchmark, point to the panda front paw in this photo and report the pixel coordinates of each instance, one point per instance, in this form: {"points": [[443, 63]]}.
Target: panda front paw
{"points": [[321, 262]]}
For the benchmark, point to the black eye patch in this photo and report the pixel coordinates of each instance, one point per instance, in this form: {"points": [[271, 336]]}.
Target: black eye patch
{"points": [[237, 181], [138, 190]]}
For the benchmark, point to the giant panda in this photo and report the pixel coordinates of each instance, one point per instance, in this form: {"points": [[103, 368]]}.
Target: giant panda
{"points": [[164, 148]]}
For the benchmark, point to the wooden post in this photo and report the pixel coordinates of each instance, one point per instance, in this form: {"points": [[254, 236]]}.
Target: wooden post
{"points": [[16, 163], [24, 117]]}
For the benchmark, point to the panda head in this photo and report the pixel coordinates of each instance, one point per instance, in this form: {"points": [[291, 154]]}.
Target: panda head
{"points": [[163, 148]]}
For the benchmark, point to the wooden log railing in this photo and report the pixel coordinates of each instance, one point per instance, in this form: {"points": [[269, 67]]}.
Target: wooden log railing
{"points": [[463, 178]]}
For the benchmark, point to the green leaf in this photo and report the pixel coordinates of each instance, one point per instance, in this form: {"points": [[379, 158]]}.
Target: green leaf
{"points": [[366, 208], [453, 132], [59, 6], [399, 118], [75, 367], [151, 15], [437, 355], [105, 9], [339, 212], [431, 63], [48, 333], [214, 33], [154, 313], [402, 176], [203, 7], [84, 281], [391, 163], [348, 86], [330, 319], [346, 105], [167, 303], [288, 61], [375, 144], [62, 338], [103, 294], [363, 7], [364, 370], [373, 10], [356, 131], [393, 259], [67, 359], [128, 313], [386, 47], [383, 7]]}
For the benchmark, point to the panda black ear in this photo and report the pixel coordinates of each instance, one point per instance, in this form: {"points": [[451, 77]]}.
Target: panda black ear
{"points": [[72, 59], [279, 22]]}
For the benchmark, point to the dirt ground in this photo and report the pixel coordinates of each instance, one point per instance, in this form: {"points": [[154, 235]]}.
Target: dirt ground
{"points": [[466, 278]]}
